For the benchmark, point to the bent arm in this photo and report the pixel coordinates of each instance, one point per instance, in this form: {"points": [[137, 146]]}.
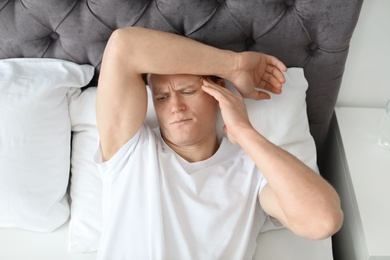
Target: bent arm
{"points": [[300, 198], [121, 93], [130, 52], [297, 196]]}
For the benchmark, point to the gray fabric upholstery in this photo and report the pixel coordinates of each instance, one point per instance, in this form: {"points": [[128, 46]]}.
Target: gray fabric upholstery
{"points": [[313, 34]]}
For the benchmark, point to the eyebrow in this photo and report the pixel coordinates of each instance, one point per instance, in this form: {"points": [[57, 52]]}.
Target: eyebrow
{"points": [[185, 86], [180, 87]]}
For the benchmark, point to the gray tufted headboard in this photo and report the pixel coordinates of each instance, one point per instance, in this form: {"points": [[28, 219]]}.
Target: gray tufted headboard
{"points": [[313, 34]]}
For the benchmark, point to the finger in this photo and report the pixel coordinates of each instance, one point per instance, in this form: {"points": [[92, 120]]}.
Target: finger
{"points": [[275, 62], [214, 90], [270, 83], [277, 73], [257, 95], [208, 83], [219, 92]]}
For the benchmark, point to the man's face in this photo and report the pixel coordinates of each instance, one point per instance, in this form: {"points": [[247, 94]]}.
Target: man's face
{"points": [[186, 114]]}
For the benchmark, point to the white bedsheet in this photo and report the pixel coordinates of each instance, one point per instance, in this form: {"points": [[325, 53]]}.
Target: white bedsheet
{"points": [[17, 244]]}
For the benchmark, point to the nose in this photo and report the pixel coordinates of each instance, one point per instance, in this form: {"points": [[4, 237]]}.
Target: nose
{"points": [[177, 103]]}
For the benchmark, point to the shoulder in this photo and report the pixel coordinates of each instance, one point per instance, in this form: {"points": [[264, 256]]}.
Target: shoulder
{"points": [[144, 136]]}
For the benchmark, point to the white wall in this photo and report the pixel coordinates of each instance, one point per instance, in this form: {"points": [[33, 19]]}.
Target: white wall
{"points": [[366, 81]]}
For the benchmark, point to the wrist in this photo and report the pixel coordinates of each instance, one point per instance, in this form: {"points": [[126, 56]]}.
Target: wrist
{"points": [[245, 135], [251, 136], [232, 62]]}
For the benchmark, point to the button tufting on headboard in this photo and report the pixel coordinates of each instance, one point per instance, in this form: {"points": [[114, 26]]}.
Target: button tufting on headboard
{"points": [[197, 14], [313, 46], [54, 35], [78, 30]]}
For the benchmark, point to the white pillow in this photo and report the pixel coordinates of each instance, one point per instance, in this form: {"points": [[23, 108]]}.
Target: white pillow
{"points": [[35, 140], [86, 186], [283, 120]]}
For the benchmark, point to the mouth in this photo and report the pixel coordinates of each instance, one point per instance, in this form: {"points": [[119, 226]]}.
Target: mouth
{"points": [[180, 121]]}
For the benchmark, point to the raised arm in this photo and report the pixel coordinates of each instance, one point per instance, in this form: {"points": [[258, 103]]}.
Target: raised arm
{"points": [[130, 52], [300, 198]]}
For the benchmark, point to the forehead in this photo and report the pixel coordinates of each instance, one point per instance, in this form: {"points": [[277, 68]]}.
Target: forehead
{"points": [[158, 82]]}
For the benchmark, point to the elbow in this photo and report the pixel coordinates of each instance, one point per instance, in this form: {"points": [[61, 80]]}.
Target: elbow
{"points": [[115, 47], [335, 222], [117, 41], [127, 38], [121, 45], [327, 219], [326, 226]]}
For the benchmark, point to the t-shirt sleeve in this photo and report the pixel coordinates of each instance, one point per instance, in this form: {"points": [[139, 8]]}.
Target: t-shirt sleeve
{"points": [[125, 150], [263, 182], [270, 223]]}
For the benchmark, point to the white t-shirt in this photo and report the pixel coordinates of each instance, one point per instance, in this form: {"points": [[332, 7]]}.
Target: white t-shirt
{"points": [[159, 206]]}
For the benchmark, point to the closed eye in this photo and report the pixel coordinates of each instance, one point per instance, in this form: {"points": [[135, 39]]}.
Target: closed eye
{"points": [[188, 92], [162, 98]]}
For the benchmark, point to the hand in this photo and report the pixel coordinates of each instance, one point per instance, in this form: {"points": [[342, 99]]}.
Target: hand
{"points": [[257, 71], [233, 109]]}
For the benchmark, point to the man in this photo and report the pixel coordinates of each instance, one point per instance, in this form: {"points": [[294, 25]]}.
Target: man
{"points": [[177, 192]]}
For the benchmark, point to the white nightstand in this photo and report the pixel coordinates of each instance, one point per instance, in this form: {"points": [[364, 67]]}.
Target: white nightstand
{"points": [[360, 171]]}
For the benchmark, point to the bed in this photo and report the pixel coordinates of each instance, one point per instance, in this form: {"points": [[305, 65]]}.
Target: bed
{"points": [[41, 39]]}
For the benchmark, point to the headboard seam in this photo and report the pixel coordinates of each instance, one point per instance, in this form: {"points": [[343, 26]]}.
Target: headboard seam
{"points": [[235, 22]]}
